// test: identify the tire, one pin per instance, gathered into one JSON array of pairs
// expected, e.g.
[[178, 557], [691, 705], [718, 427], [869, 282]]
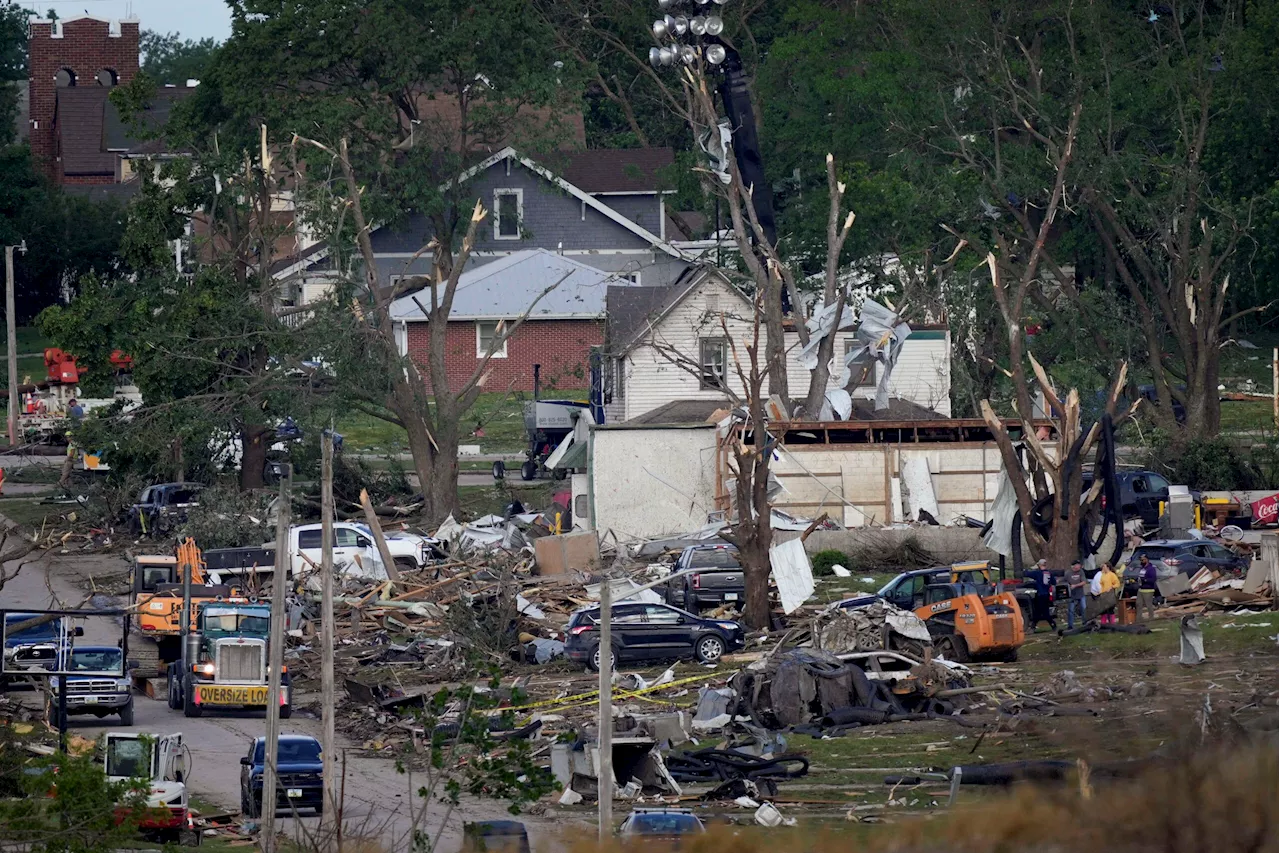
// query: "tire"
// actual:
[[953, 648], [126, 714], [529, 470], [286, 711], [320, 806], [708, 648], [499, 470], [1010, 656], [175, 700], [189, 706], [593, 662]]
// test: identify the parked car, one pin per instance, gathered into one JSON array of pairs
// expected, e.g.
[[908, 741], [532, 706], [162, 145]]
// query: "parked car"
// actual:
[[661, 824], [300, 771], [722, 582], [645, 632], [162, 506], [1188, 556], [38, 647], [495, 836], [105, 689], [1141, 493]]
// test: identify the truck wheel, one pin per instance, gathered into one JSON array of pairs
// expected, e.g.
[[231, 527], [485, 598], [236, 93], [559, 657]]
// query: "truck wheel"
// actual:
[[529, 470], [189, 706], [499, 470], [175, 701], [126, 714], [286, 711]]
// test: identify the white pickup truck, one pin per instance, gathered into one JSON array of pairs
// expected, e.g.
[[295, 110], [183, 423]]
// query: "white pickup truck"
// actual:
[[354, 553]]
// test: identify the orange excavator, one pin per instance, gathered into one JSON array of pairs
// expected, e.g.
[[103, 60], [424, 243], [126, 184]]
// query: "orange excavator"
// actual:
[[158, 607]]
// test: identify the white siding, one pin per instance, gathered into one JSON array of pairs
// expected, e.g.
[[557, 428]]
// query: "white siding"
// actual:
[[921, 376]]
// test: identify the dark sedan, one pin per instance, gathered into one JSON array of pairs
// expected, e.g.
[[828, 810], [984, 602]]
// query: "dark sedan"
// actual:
[[647, 632]]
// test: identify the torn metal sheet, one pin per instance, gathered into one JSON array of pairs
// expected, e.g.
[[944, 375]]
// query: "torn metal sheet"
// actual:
[[882, 334], [821, 325], [792, 573], [917, 482], [841, 403], [1000, 537]]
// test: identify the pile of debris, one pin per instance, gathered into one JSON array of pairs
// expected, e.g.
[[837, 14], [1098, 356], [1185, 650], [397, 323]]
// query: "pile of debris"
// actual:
[[1209, 589]]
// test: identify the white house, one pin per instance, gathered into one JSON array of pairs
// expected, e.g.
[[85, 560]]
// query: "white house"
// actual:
[[669, 350]]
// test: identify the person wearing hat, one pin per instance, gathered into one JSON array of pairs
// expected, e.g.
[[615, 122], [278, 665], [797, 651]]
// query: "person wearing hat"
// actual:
[[1147, 577], [1042, 606], [1076, 585]]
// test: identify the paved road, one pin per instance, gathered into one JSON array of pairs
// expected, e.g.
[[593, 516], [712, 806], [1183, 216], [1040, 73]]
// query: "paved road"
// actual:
[[378, 800]]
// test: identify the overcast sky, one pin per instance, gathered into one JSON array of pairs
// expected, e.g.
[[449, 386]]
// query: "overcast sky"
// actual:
[[192, 19]]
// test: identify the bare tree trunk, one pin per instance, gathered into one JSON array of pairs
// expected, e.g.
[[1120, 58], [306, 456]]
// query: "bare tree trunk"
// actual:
[[253, 456]]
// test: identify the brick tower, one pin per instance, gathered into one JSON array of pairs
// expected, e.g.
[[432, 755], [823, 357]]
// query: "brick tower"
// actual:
[[81, 51]]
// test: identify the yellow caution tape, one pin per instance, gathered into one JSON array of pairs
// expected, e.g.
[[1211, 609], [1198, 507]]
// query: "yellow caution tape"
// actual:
[[593, 695]]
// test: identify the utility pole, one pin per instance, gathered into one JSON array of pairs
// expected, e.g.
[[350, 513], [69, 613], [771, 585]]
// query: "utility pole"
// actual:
[[328, 697], [604, 740], [11, 322], [270, 779]]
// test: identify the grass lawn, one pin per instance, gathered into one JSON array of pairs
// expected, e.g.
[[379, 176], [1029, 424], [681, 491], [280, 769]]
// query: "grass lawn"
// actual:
[[499, 416], [31, 344], [30, 512], [1248, 417]]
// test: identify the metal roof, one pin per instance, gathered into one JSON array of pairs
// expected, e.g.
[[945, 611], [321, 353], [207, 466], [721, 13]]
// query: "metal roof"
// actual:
[[558, 288]]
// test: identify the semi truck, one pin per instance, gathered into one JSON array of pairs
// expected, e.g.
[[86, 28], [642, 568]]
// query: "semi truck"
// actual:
[[224, 662]]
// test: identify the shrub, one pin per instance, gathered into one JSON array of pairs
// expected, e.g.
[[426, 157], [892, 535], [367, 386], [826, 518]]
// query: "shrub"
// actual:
[[1217, 464], [824, 560]]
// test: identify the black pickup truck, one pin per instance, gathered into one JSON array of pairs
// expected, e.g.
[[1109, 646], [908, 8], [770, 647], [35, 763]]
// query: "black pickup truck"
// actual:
[[721, 582]]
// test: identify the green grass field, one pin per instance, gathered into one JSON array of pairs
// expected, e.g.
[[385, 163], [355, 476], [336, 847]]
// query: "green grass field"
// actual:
[[31, 344]]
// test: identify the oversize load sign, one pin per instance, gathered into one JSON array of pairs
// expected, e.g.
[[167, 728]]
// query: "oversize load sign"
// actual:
[[231, 694]]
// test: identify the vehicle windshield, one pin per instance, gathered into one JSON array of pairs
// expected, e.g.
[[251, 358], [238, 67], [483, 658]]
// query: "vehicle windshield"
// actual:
[[96, 660], [718, 558], [252, 623], [888, 588], [662, 823], [129, 757], [292, 751], [36, 633]]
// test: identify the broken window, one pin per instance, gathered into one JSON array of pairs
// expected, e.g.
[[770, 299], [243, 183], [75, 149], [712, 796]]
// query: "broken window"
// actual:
[[508, 213], [862, 370], [714, 352], [486, 332]]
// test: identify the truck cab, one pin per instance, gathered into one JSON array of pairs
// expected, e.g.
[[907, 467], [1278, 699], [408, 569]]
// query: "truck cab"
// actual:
[[224, 664], [162, 506], [162, 761], [35, 647]]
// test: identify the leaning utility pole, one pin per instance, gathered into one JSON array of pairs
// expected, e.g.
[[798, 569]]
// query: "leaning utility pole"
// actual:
[[270, 779], [11, 323], [328, 697]]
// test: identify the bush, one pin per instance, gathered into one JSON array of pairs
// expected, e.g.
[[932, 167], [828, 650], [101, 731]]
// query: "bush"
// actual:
[[1217, 464], [824, 560]]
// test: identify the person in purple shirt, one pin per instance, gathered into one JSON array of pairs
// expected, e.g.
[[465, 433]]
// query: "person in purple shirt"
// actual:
[[1146, 588]]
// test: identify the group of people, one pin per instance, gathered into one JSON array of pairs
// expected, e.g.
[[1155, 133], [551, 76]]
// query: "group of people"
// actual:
[[1105, 588]]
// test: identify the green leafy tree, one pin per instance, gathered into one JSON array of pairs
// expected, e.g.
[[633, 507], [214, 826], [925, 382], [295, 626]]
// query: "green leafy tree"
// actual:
[[385, 116], [169, 58]]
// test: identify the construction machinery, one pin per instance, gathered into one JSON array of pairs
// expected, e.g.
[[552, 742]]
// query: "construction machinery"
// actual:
[[966, 625], [158, 593], [224, 661]]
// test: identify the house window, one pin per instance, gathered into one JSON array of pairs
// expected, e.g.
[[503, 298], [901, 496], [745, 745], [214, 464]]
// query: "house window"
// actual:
[[633, 277], [714, 356], [486, 331], [508, 213], [862, 371]]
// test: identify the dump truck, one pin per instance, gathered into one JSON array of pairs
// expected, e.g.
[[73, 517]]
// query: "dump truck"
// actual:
[[224, 662], [966, 625]]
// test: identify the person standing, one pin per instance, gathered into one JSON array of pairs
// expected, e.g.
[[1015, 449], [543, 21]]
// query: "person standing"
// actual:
[[1146, 588], [1110, 588], [1042, 607], [1076, 585]]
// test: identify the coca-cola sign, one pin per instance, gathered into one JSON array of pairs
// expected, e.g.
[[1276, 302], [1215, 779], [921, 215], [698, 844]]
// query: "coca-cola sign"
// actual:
[[1266, 509]]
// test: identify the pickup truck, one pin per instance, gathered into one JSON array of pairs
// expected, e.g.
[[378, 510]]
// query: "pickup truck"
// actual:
[[161, 507], [722, 582], [301, 775], [104, 689], [354, 553], [37, 647]]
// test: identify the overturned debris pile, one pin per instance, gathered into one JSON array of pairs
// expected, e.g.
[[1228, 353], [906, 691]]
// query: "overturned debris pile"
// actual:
[[879, 625]]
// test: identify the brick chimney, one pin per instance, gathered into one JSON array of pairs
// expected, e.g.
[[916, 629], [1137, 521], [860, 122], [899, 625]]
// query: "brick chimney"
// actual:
[[81, 51]]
